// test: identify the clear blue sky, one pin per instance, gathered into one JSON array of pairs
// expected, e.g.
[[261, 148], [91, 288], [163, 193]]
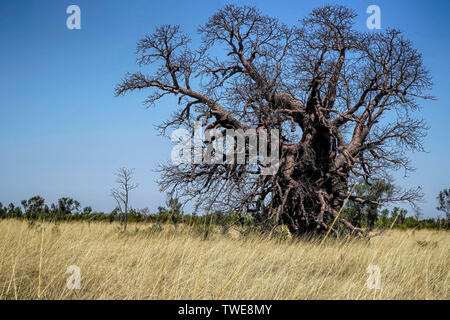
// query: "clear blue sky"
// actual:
[[63, 133]]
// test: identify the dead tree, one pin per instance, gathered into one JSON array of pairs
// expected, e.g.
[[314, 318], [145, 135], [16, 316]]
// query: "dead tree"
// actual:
[[342, 100], [121, 194]]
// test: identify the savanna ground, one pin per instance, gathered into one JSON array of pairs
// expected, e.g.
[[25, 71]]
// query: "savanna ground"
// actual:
[[178, 263]]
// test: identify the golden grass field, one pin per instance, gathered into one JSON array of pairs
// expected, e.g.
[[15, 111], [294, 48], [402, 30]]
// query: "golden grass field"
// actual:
[[179, 264]]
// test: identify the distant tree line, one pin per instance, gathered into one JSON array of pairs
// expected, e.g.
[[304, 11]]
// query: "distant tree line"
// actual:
[[367, 214], [363, 215]]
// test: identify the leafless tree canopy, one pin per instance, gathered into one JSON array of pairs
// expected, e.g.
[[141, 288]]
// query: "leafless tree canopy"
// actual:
[[343, 101]]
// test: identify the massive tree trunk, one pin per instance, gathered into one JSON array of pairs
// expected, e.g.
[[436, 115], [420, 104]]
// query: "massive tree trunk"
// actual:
[[312, 189]]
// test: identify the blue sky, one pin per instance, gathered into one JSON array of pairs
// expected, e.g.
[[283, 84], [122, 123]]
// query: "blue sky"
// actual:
[[63, 133]]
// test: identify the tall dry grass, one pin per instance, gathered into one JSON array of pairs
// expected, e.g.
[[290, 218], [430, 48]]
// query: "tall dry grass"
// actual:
[[178, 264]]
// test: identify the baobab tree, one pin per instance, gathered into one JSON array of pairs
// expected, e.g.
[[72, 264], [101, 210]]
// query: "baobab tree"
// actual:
[[342, 100], [122, 193]]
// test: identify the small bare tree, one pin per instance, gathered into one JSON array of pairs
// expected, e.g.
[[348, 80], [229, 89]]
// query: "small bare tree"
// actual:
[[121, 194]]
